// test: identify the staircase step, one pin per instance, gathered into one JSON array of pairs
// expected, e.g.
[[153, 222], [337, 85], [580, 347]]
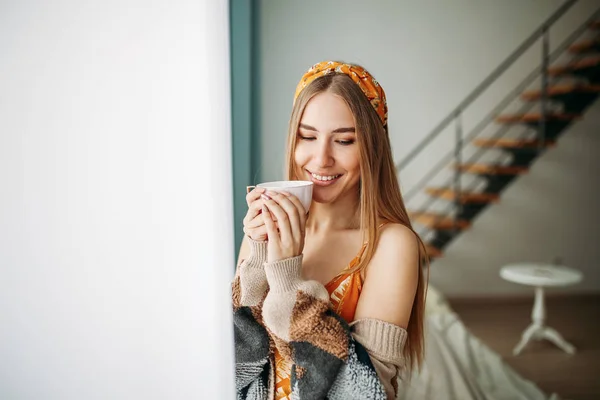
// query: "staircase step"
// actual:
[[516, 118], [561, 90], [491, 169], [583, 46], [574, 66], [438, 221], [511, 143], [432, 251], [465, 197]]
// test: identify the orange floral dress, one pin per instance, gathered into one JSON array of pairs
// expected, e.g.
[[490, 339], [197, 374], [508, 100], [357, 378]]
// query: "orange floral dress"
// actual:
[[344, 291]]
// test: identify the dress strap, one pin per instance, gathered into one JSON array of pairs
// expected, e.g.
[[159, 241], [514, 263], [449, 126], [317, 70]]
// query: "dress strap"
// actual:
[[383, 224], [360, 253], [362, 250], [365, 244]]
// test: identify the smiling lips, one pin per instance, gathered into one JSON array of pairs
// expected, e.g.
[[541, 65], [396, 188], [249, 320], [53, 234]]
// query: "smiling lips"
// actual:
[[324, 180]]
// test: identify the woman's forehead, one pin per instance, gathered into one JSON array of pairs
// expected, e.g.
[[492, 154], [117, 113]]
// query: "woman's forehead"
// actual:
[[327, 112]]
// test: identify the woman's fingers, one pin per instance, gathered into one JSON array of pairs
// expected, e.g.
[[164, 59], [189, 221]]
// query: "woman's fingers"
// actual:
[[259, 233], [283, 221], [299, 207], [297, 217], [252, 221], [259, 228], [269, 225], [254, 210], [258, 221], [287, 217], [253, 195]]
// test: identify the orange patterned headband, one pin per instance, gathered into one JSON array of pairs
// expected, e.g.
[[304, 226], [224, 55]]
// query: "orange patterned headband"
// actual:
[[365, 81]]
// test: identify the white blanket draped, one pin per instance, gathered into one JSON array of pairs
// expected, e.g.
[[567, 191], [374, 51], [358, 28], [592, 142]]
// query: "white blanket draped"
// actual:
[[459, 366]]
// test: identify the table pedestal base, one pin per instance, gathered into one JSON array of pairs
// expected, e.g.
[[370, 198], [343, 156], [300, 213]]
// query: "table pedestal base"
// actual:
[[538, 331]]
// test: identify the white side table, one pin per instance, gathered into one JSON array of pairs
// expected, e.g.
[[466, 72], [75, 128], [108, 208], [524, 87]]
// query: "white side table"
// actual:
[[541, 276]]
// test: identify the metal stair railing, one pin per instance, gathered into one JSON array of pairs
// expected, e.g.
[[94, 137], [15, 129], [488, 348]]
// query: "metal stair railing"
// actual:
[[456, 114]]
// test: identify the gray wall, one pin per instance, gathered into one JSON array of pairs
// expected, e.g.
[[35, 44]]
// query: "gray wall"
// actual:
[[115, 200], [428, 55]]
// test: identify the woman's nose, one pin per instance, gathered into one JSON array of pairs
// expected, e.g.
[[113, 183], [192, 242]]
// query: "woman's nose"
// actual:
[[323, 155]]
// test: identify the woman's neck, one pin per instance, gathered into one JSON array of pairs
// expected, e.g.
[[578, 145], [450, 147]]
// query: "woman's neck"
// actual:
[[340, 215]]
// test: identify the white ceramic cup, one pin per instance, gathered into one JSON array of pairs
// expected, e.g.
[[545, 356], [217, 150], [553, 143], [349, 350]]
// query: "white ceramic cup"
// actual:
[[301, 189]]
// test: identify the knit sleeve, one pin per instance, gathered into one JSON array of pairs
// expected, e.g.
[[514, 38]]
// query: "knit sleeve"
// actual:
[[385, 343], [327, 361], [251, 277], [252, 342]]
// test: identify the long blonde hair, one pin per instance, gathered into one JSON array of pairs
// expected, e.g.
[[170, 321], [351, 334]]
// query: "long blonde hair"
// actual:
[[380, 196]]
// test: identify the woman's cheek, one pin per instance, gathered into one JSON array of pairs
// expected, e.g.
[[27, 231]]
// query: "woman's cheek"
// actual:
[[300, 154]]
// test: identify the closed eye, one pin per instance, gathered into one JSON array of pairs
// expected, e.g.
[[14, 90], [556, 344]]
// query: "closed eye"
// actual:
[[342, 142]]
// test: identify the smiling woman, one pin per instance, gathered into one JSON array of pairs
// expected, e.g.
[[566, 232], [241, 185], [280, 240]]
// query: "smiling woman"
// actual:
[[331, 304]]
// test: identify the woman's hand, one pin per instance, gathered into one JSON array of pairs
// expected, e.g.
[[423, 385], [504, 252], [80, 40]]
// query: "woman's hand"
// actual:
[[290, 215], [254, 225]]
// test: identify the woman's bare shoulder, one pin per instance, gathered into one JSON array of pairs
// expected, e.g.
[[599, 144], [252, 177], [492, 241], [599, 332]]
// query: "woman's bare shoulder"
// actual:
[[391, 277], [396, 234]]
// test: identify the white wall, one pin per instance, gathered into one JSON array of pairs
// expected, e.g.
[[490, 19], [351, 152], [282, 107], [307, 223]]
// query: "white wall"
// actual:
[[428, 55], [115, 200]]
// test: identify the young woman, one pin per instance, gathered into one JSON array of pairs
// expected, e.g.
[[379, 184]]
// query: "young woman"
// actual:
[[329, 303]]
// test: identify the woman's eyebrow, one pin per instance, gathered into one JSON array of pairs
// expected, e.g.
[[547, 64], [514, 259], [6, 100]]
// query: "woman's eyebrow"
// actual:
[[338, 130]]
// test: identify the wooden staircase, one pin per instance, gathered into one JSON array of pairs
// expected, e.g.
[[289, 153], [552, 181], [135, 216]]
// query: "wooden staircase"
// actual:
[[573, 99]]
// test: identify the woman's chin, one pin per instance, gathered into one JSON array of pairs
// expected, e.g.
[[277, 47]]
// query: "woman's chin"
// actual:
[[323, 198], [328, 195], [325, 195], [320, 200]]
